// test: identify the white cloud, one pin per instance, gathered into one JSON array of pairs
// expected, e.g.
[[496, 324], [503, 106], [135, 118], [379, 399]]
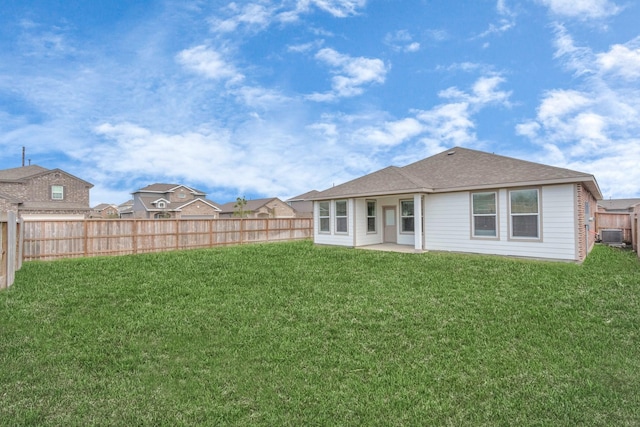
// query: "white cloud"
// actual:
[[582, 9], [392, 133], [337, 8], [451, 124], [483, 91], [402, 41], [253, 16], [352, 73], [621, 60], [210, 63], [594, 129]]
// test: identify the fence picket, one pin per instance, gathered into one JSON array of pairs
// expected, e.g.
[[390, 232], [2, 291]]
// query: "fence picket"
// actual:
[[46, 240]]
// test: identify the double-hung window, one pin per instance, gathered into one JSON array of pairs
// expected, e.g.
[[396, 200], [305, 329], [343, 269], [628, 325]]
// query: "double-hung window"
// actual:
[[342, 218], [525, 213], [406, 216], [371, 216], [57, 192], [325, 217], [485, 213]]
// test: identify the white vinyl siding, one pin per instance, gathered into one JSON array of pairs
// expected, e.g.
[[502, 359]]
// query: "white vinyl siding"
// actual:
[[448, 226], [333, 237]]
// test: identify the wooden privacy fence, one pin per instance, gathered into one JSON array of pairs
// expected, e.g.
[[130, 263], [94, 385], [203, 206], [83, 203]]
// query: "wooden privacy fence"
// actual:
[[46, 240], [11, 257], [615, 221]]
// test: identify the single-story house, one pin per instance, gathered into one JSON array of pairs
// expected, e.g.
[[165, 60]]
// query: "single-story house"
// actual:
[[464, 200]]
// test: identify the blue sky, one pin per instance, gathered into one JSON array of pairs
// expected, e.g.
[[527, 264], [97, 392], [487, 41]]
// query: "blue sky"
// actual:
[[275, 98]]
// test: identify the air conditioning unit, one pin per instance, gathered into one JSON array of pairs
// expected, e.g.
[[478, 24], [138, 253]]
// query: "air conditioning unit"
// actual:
[[611, 236]]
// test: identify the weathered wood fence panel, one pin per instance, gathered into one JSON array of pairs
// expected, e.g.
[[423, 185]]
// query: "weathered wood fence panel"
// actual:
[[46, 240], [619, 221], [10, 251]]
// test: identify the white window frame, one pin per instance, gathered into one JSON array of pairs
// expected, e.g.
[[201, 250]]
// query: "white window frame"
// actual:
[[324, 219], [372, 218], [514, 215], [474, 232], [403, 216], [57, 192], [342, 221]]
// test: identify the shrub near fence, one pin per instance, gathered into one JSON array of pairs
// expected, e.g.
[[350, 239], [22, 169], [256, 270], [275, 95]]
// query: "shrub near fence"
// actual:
[[46, 240]]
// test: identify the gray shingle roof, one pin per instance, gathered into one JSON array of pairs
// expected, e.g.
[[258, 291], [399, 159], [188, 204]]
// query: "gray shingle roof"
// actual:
[[16, 174], [304, 196], [457, 169], [619, 204], [166, 188], [147, 201]]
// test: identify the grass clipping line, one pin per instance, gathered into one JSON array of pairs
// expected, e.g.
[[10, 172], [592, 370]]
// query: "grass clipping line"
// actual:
[[296, 334]]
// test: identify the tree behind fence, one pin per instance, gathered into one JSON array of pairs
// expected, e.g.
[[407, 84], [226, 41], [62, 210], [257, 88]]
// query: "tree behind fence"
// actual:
[[46, 240]]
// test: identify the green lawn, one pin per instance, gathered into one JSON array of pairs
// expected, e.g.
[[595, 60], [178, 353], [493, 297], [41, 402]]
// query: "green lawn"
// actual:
[[292, 334]]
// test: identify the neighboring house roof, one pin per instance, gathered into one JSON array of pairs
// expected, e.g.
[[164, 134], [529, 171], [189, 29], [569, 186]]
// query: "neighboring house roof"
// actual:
[[303, 197], [458, 169], [103, 206], [619, 204], [150, 203], [251, 206], [22, 173], [168, 188]]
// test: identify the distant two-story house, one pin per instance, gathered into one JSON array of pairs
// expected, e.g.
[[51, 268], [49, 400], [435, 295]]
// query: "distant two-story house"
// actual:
[[171, 201], [259, 208], [34, 192]]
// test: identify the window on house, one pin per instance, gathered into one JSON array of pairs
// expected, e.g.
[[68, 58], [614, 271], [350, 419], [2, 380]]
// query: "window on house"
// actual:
[[324, 215], [371, 216], [162, 205], [525, 214], [484, 209], [341, 216], [406, 216], [57, 192]]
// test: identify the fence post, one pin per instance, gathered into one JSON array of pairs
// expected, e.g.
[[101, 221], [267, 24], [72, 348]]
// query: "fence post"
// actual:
[[9, 249], [85, 230], [134, 235], [4, 259]]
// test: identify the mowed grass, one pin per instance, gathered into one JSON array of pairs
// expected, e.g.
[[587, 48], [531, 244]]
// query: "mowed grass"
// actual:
[[293, 334]]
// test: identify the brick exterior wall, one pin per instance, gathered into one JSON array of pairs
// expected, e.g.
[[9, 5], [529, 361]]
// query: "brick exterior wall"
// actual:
[[197, 209], [35, 194], [586, 227]]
